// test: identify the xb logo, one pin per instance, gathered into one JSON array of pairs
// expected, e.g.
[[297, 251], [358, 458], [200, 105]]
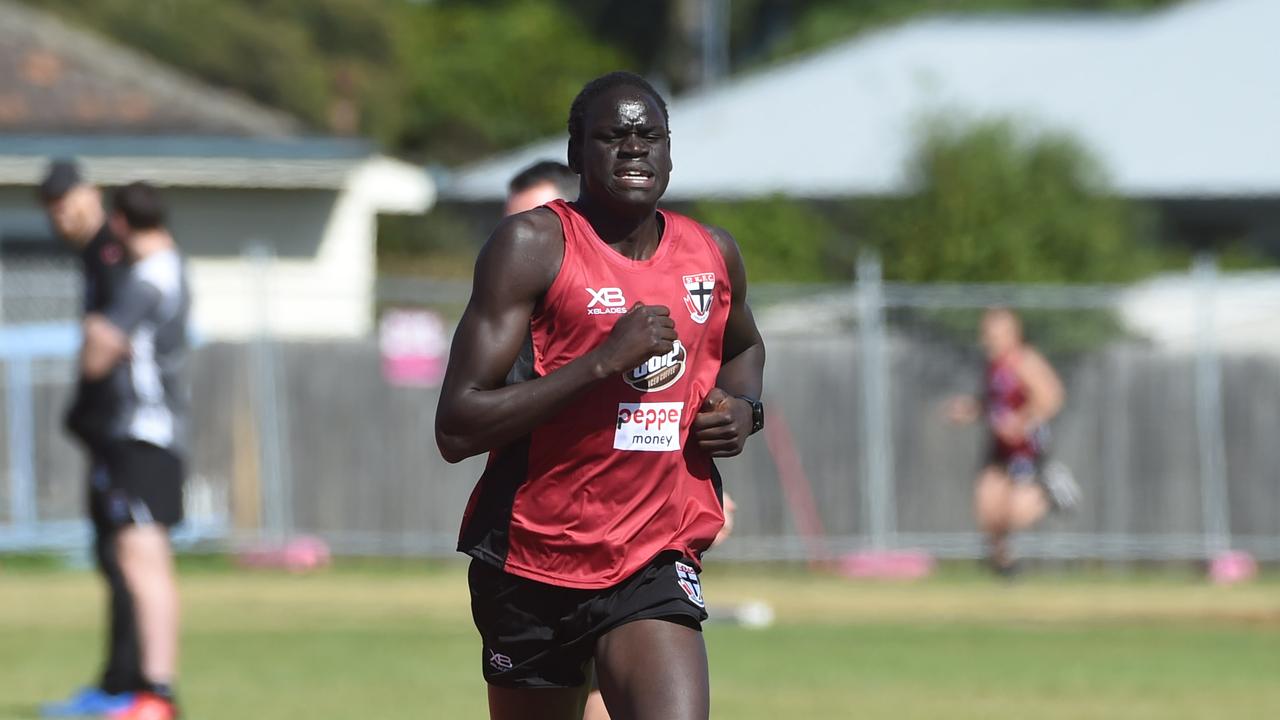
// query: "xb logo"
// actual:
[[609, 299], [499, 661]]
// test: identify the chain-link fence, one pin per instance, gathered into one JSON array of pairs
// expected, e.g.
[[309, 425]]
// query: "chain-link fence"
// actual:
[[1173, 442]]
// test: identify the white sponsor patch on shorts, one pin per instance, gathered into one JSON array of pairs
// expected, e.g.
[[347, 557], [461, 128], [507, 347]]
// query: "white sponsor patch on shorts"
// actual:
[[650, 427]]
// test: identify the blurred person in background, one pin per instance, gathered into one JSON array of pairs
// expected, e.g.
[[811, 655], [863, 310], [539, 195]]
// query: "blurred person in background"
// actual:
[[600, 495], [75, 212], [137, 344], [1017, 485], [539, 184]]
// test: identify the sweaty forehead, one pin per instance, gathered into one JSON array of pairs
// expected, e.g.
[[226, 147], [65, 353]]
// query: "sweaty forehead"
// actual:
[[625, 106]]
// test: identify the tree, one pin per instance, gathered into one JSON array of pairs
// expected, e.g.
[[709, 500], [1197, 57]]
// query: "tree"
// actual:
[[992, 203], [782, 239], [481, 77]]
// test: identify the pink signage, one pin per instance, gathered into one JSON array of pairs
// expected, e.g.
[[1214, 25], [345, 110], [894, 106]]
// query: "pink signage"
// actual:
[[414, 347]]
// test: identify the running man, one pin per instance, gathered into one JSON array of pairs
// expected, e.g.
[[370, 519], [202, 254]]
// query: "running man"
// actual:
[[606, 356], [1016, 487], [541, 183], [74, 208], [138, 345]]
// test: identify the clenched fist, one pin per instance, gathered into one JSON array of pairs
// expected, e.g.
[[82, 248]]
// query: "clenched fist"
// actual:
[[645, 331], [722, 424]]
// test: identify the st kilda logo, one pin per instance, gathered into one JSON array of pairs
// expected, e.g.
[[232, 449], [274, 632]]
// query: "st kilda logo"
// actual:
[[660, 371], [698, 291]]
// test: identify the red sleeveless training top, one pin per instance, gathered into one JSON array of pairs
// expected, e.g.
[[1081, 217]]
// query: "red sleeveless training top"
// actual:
[[1006, 395], [593, 494]]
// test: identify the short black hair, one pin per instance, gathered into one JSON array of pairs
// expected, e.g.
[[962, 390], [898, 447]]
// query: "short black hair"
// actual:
[[141, 205], [62, 175], [545, 171], [598, 87]]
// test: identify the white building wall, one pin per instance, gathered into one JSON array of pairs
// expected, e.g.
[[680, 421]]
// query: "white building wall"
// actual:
[[329, 294]]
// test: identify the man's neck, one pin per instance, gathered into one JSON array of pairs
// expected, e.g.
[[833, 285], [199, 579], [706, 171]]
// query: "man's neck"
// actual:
[[633, 235]]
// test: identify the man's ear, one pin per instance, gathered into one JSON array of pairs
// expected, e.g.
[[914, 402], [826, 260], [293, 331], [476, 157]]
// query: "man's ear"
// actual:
[[575, 158], [671, 164]]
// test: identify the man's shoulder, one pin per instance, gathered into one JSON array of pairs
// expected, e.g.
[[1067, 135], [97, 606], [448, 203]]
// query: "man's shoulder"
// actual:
[[522, 256], [537, 226], [163, 271], [724, 241], [722, 237], [534, 236]]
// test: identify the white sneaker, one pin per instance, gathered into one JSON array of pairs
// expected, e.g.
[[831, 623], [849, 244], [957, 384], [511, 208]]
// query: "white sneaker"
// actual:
[[1061, 486]]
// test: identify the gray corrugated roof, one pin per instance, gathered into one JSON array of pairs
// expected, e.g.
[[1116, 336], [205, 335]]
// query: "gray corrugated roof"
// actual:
[[1182, 102]]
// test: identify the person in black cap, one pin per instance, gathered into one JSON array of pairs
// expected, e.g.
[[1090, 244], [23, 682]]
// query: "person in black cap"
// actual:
[[76, 214]]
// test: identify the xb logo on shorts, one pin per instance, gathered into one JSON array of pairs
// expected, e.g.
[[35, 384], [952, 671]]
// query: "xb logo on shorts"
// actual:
[[687, 579], [606, 301], [658, 372], [499, 662], [698, 291]]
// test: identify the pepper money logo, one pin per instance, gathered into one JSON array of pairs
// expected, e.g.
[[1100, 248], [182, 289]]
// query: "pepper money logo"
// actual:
[[660, 371], [649, 427]]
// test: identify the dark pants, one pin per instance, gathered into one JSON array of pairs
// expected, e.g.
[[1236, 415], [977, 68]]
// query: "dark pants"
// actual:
[[123, 671]]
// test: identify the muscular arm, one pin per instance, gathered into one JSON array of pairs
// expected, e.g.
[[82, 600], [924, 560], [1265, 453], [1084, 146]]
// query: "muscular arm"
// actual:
[[1044, 389], [742, 369], [724, 422], [478, 412]]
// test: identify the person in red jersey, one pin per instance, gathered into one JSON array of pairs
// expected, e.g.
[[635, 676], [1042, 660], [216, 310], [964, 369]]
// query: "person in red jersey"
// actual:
[[606, 356], [1022, 393]]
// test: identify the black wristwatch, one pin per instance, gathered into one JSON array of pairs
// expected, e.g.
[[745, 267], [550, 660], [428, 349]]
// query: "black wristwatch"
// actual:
[[757, 413]]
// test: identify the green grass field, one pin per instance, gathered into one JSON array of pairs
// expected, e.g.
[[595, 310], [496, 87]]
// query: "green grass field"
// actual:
[[377, 640]]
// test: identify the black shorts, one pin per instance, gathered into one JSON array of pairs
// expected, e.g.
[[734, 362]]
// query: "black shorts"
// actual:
[[1024, 466], [135, 483], [1020, 467], [543, 636]]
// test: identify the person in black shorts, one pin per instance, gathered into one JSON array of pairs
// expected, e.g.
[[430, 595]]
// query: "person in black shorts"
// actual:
[[1021, 394], [606, 357], [137, 345], [536, 185], [75, 212]]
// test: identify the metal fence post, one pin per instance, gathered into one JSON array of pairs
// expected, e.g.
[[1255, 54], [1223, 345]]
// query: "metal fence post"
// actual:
[[269, 406], [876, 417], [1116, 489], [19, 406], [1209, 412]]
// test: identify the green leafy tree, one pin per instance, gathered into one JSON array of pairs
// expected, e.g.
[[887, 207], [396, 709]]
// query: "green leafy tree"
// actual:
[[990, 203], [265, 55], [782, 239], [446, 81], [818, 23], [480, 77]]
